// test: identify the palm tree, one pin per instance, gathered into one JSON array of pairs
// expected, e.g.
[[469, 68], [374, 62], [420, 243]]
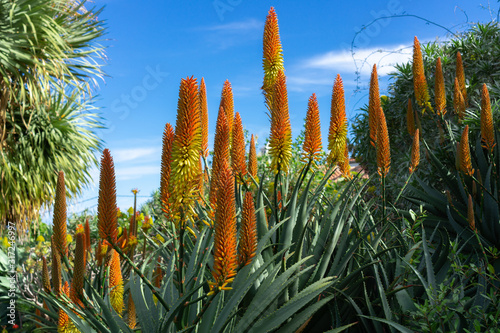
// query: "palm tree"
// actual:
[[49, 63]]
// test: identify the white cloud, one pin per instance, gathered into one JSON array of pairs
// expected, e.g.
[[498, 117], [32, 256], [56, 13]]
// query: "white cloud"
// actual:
[[250, 24], [136, 172], [130, 154], [362, 60]]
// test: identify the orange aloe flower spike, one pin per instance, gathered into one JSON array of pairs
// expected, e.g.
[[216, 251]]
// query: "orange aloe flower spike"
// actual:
[[458, 101], [204, 118], [227, 103], [459, 73], [59, 221], [166, 157], [280, 140], [470, 214], [225, 257], [439, 89], [487, 131], [76, 292], [464, 153], [415, 152], [337, 134], [106, 206], [312, 140], [64, 323], [383, 148], [373, 105], [221, 154], [272, 61], [45, 275], [56, 269], [238, 159], [419, 81], [248, 231], [115, 282], [252, 158], [410, 118], [185, 165], [131, 313], [87, 236]]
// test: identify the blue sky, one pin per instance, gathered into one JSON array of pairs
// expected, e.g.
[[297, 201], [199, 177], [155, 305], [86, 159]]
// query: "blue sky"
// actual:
[[151, 45]]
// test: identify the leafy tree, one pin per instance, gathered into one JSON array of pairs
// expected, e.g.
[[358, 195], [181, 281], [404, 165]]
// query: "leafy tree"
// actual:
[[49, 61]]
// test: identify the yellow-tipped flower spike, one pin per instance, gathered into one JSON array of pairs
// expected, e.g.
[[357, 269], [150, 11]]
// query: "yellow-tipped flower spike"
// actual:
[[248, 232], [312, 140], [238, 159], [166, 157], [383, 148], [439, 89], [131, 313], [59, 221], [64, 323], [225, 257], [115, 282], [345, 167], [252, 158], [106, 206], [227, 103], [464, 153], [221, 154], [337, 134], [272, 61], [185, 165], [415, 152], [373, 105], [419, 81], [487, 131], [458, 101], [280, 140], [410, 118], [76, 292], [56, 269], [204, 118], [459, 73]]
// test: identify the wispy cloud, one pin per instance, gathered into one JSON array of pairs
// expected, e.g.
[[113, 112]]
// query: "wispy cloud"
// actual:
[[362, 59], [131, 154], [136, 172], [249, 24]]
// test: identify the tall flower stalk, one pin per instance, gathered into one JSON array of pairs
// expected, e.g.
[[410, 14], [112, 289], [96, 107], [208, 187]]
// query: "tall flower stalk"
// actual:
[[106, 206], [460, 75], [337, 134], [238, 159], [76, 291], [272, 61], [59, 221], [225, 257], [185, 166], [204, 119], [487, 131], [419, 81], [312, 146], [227, 104], [373, 105], [410, 118], [115, 282], [458, 101], [439, 90], [166, 158], [252, 158], [465, 163], [221, 154]]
